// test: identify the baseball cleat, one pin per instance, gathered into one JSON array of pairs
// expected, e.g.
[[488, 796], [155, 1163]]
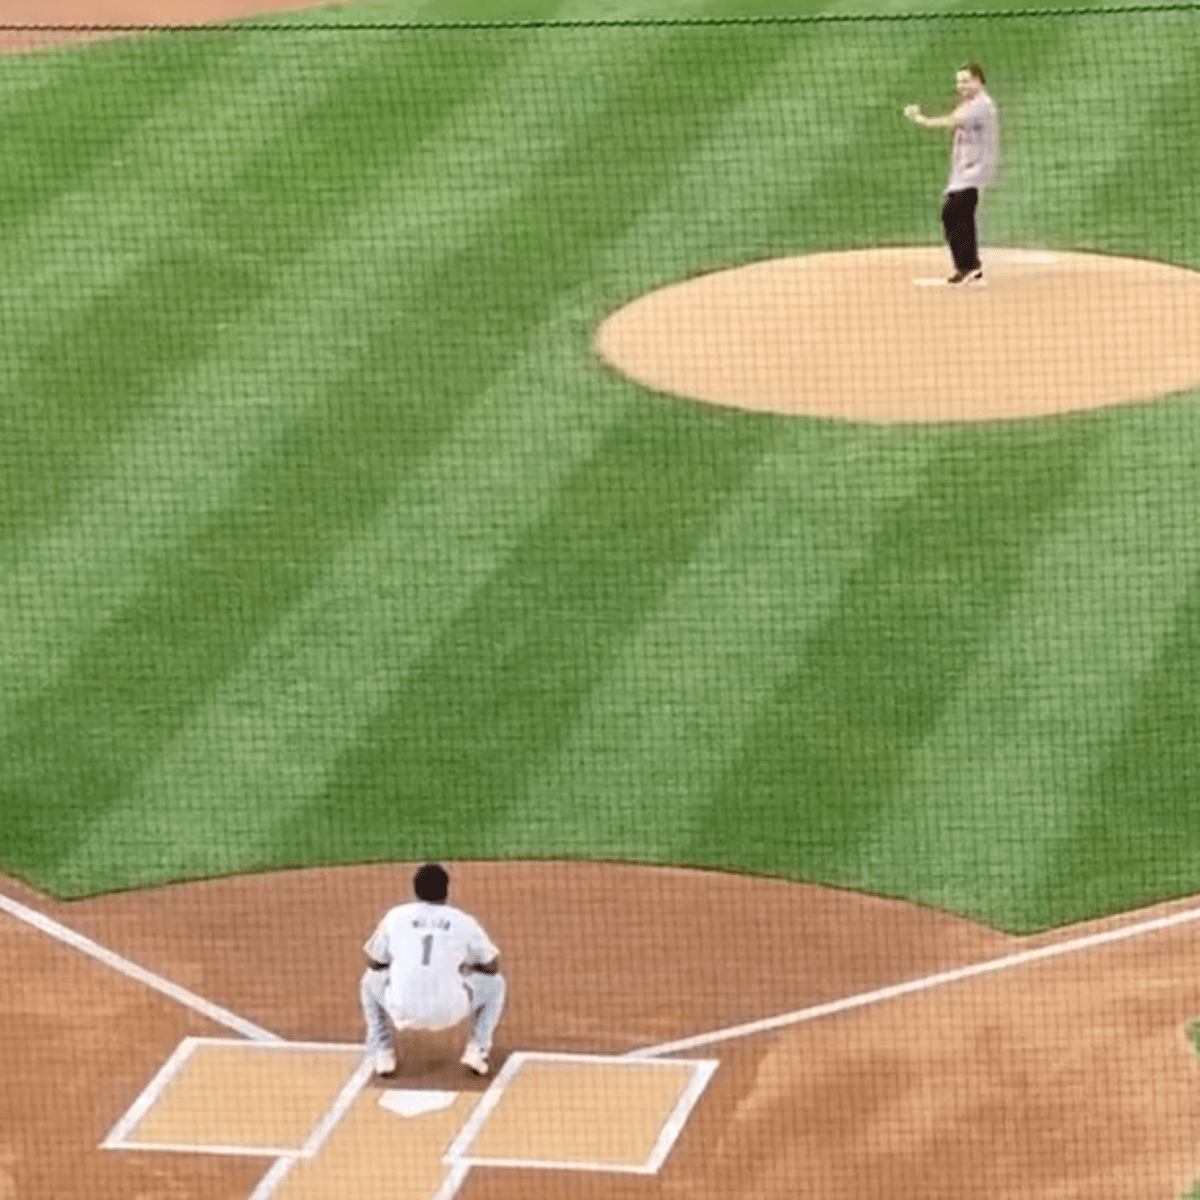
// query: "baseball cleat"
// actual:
[[385, 1063], [975, 275], [475, 1060]]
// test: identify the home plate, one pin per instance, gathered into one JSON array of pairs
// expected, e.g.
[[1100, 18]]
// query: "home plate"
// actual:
[[416, 1104]]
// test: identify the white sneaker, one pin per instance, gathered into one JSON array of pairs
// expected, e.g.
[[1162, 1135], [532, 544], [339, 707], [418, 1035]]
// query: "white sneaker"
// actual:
[[475, 1060], [385, 1062]]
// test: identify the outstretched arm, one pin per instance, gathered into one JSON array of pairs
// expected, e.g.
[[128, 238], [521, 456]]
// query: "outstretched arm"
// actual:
[[914, 114]]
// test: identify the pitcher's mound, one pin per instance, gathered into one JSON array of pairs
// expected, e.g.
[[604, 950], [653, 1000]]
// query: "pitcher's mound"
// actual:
[[860, 335]]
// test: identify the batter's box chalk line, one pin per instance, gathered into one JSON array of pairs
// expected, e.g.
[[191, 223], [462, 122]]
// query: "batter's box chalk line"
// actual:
[[1141, 925], [120, 1137], [700, 1071], [460, 1158]]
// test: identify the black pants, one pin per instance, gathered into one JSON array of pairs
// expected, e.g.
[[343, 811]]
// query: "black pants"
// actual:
[[958, 220]]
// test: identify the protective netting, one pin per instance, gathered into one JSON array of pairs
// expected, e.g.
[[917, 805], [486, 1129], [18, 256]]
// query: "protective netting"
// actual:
[[580, 453]]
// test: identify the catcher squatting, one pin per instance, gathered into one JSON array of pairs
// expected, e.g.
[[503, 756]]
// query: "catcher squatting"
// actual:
[[429, 967]]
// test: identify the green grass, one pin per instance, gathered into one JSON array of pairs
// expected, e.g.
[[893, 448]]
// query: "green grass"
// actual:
[[410, 11], [327, 539]]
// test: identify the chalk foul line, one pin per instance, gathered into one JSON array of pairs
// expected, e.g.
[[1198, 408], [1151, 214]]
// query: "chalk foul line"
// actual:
[[926, 983], [132, 970], [256, 1033]]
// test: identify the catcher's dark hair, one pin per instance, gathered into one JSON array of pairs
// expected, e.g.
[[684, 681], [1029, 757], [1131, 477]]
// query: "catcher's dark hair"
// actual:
[[431, 884], [975, 69]]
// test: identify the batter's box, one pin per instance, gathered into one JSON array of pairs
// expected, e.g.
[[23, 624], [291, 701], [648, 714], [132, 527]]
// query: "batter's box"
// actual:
[[582, 1113], [226, 1096]]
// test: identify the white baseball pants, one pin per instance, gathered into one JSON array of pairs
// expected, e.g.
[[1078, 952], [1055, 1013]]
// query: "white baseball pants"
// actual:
[[487, 994]]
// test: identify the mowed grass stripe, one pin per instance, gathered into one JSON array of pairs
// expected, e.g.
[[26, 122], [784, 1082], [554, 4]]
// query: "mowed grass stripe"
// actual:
[[184, 461], [1147, 772], [645, 259], [1088, 151], [771, 179], [172, 168], [303, 719], [445, 766], [997, 791], [659, 725], [485, 230], [165, 636], [658, 732], [1163, 99], [874, 680], [154, 265], [97, 319], [240, 179], [67, 117], [263, 745], [186, 592]]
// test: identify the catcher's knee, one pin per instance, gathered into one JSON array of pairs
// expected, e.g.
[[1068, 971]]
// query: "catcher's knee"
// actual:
[[371, 985], [487, 990]]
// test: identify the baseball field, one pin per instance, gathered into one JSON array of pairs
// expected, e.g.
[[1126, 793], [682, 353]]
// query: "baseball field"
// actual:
[[334, 541]]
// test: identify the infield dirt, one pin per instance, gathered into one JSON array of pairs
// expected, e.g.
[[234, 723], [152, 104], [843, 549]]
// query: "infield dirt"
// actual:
[[1072, 1077], [64, 13]]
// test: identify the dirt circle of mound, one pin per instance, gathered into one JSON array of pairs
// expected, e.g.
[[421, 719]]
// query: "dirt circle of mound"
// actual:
[[877, 336]]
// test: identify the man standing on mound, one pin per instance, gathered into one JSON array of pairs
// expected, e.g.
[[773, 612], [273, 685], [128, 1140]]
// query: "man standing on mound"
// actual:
[[972, 166], [430, 966]]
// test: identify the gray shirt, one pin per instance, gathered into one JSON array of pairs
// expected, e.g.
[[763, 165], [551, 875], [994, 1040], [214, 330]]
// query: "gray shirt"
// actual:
[[976, 144]]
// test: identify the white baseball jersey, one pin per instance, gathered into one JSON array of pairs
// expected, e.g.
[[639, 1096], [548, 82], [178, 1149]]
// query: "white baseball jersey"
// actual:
[[976, 147], [425, 947]]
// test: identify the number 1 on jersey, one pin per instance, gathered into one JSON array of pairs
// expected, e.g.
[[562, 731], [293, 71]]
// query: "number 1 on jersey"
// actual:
[[427, 952]]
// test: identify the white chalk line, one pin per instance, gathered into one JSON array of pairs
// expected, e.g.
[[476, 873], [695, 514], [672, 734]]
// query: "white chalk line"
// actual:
[[214, 1012], [270, 1182], [456, 1153], [132, 970], [214, 1148], [453, 1182], [341, 1106], [118, 1136], [926, 983], [460, 1161], [285, 1156], [702, 1073], [459, 1170]]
